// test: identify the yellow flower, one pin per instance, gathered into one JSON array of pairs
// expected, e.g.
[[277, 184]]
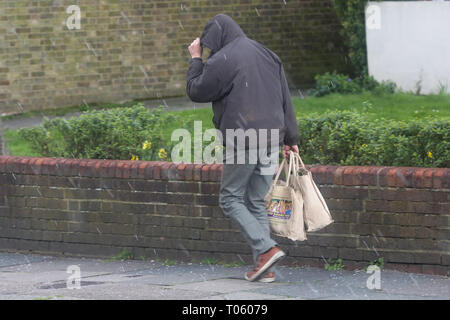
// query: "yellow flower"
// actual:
[[146, 145], [430, 154], [162, 153], [134, 158], [364, 145]]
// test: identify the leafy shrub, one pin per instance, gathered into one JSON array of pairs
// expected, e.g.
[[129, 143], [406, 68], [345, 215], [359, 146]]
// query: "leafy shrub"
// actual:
[[117, 133], [352, 17], [348, 138], [333, 138], [328, 83]]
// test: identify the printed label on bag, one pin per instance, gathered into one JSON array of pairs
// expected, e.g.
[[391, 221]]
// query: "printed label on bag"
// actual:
[[280, 209]]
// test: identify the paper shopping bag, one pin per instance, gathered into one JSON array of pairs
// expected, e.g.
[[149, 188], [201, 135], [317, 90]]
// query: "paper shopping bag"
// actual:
[[315, 210], [285, 206]]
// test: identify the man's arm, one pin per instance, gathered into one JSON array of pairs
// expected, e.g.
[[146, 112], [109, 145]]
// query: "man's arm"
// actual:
[[204, 80], [291, 136]]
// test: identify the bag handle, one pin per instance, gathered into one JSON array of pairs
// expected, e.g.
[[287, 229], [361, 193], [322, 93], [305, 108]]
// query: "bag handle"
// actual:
[[299, 161], [280, 168], [283, 165], [291, 167]]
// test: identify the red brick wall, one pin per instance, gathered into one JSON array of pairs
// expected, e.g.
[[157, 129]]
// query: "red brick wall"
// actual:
[[100, 207]]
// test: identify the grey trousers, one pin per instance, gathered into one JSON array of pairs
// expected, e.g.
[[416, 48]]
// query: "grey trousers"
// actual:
[[242, 191]]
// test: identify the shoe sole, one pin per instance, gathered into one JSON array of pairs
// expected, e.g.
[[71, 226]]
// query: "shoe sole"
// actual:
[[275, 258], [266, 280]]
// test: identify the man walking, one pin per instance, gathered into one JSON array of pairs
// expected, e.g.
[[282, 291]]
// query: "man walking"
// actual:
[[248, 89]]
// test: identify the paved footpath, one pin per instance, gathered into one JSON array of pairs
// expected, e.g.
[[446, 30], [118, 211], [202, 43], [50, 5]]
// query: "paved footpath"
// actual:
[[37, 277]]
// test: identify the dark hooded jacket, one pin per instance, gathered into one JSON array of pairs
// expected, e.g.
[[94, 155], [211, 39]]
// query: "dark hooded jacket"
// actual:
[[244, 81]]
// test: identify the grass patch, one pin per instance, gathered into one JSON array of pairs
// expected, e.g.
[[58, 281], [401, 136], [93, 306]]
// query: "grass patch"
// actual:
[[377, 262], [398, 106], [334, 265], [123, 255], [18, 145]]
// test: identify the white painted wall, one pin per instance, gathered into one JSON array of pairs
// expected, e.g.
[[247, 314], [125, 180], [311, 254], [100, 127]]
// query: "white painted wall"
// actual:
[[408, 42]]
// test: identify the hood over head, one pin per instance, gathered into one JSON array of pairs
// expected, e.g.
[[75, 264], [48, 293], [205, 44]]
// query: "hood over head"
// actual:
[[219, 31]]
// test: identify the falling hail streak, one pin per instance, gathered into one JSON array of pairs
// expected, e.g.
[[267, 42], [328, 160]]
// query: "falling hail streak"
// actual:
[[125, 17], [375, 250], [348, 287], [375, 237], [143, 71], [90, 48], [311, 287], [20, 106], [365, 244], [257, 12], [381, 235], [110, 193], [414, 280], [242, 120]]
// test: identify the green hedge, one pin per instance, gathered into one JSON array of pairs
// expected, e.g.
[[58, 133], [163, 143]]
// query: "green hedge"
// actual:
[[333, 138], [348, 138], [328, 83], [118, 133]]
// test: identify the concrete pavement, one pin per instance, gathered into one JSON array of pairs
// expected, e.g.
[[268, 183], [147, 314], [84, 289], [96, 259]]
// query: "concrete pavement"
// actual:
[[38, 277]]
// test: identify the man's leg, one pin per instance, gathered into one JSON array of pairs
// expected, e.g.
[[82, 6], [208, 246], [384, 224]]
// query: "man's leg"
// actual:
[[257, 189], [234, 183]]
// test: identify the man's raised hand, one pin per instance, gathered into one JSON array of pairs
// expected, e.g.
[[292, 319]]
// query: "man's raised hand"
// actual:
[[195, 49]]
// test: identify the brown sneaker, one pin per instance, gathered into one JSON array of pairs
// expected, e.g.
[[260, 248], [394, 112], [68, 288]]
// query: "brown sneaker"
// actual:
[[268, 277], [265, 261]]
